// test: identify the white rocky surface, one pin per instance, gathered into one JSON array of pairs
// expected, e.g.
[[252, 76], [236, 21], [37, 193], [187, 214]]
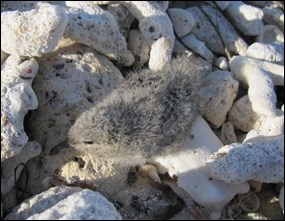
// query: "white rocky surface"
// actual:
[[274, 16], [219, 89], [190, 169], [241, 114], [263, 98], [270, 126], [223, 4], [122, 16], [273, 52], [87, 24], [246, 18], [17, 98], [160, 54], [76, 77], [162, 4], [206, 32], [274, 71], [244, 118], [258, 159], [222, 63], [183, 21], [138, 45], [270, 33], [34, 32], [157, 28], [70, 80], [228, 135], [194, 45], [69, 203]]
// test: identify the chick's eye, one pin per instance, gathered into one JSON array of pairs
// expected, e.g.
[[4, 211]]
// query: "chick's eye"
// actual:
[[88, 142]]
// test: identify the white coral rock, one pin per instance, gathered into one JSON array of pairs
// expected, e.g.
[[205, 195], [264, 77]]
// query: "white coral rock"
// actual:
[[260, 159], [96, 28], [160, 54], [122, 16], [270, 33], [241, 114], [195, 45], [274, 16], [247, 19], [69, 203], [162, 4], [190, 169], [157, 28], [244, 118], [139, 47], [261, 91], [219, 90], [228, 135], [222, 63], [273, 52], [183, 21], [34, 32], [223, 4], [17, 97], [206, 32]]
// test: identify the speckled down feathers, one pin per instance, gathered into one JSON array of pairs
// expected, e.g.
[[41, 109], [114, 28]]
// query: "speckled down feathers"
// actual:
[[140, 119]]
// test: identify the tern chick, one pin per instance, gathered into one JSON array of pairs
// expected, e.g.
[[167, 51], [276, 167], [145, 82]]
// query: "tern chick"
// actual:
[[140, 119]]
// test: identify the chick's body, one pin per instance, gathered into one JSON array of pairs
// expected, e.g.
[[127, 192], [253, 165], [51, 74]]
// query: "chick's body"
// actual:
[[141, 118]]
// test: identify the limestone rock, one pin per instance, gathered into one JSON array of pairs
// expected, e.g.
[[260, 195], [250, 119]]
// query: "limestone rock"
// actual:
[[96, 28], [71, 80], [139, 47], [205, 31], [190, 169], [34, 32], [260, 92], [183, 21], [63, 202], [258, 159], [195, 45], [17, 98], [157, 29], [247, 18], [122, 16], [241, 114], [273, 52], [270, 33], [219, 90], [228, 135]]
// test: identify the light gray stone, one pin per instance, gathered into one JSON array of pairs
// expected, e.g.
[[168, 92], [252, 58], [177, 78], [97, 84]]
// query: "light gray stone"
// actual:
[[17, 98], [34, 32], [157, 29], [261, 160], [273, 52], [139, 47], [246, 18], [270, 33], [96, 28], [206, 32], [183, 21], [219, 90], [122, 16], [63, 202]]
